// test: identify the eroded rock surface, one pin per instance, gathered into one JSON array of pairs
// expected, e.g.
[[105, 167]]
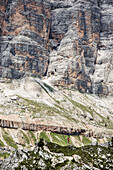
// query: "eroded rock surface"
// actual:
[[70, 42], [25, 27]]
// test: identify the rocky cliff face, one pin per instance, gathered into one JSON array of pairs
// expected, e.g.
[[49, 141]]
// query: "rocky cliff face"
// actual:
[[25, 27], [69, 42]]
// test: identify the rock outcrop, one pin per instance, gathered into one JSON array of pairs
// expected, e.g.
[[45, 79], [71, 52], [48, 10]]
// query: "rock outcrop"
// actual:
[[53, 156], [40, 127], [69, 42]]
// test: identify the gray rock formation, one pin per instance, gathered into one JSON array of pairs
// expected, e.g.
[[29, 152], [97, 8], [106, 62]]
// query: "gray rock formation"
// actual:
[[83, 58], [69, 42], [24, 41], [60, 157]]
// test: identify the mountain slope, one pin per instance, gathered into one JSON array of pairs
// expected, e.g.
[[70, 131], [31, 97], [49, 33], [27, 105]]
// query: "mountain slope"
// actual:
[[32, 100]]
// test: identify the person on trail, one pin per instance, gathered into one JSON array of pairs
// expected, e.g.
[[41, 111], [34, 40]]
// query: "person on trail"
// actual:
[[68, 140]]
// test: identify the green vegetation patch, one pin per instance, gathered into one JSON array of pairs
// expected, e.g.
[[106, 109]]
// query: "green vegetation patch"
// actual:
[[44, 136], [82, 139], [86, 140], [78, 137], [49, 87], [8, 139], [86, 108], [1, 143], [59, 165], [82, 107], [66, 150], [99, 156], [25, 137], [106, 123], [40, 108], [60, 139], [32, 137], [4, 155]]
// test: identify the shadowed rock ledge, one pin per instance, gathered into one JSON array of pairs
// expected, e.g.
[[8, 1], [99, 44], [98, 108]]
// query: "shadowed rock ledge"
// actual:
[[40, 127]]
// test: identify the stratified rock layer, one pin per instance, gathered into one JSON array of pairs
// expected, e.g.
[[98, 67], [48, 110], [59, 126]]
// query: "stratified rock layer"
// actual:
[[69, 41]]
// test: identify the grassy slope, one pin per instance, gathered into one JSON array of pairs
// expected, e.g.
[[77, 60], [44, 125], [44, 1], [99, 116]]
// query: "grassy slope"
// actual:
[[26, 139], [9, 140]]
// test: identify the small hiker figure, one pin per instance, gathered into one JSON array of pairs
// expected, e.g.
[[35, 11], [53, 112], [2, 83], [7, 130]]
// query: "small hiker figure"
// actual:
[[68, 140]]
